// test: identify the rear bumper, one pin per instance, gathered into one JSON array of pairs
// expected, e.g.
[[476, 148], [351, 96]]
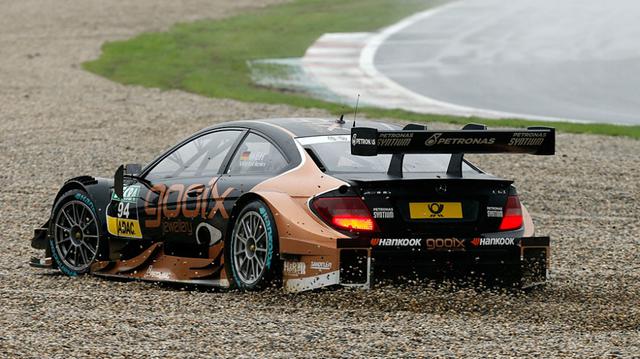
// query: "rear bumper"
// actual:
[[516, 258], [363, 262]]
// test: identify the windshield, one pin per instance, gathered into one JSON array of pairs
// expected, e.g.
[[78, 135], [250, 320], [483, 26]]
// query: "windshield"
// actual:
[[335, 154]]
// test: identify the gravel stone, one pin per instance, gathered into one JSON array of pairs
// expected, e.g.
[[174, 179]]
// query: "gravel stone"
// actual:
[[58, 121]]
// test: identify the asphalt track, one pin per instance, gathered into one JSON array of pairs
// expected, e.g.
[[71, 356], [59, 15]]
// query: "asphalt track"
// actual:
[[570, 59]]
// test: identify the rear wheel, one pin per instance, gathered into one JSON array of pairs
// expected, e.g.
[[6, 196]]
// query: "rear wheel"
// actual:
[[74, 233], [252, 248]]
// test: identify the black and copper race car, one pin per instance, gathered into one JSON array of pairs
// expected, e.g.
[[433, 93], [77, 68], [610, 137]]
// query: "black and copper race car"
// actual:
[[307, 203]]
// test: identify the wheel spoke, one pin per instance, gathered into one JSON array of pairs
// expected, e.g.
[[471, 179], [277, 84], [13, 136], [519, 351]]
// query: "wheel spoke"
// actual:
[[260, 262], [63, 227], [76, 256], [252, 267], [76, 218], [263, 250], [69, 254], [66, 215], [80, 216], [256, 226], [87, 224], [83, 256], [242, 239], [91, 250], [245, 261], [247, 231]]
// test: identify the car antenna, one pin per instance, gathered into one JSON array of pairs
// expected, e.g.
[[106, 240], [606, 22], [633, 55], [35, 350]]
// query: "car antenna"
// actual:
[[340, 121], [356, 112]]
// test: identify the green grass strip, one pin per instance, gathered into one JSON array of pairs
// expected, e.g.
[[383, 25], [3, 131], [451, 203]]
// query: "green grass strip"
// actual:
[[209, 57]]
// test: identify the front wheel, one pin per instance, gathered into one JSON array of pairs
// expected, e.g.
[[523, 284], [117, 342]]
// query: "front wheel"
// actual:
[[252, 248], [74, 233]]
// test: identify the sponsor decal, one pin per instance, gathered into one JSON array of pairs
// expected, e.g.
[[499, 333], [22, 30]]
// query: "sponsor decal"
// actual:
[[527, 139], [321, 265], [429, 243], [396, 242], [494, 212], [435, 210], [444, 243], [295, 268], [268, 226], [383, 213], [156, 274], [438, 139], [395, 139], [500, 241], [130, 194], [122, 214], [86, 200], [253, 159], [362, 141], [433, 139], [122, 227], [177, 227], [170, 202]]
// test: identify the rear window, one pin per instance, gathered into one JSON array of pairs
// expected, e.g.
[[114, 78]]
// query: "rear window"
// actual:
[[335, 154]]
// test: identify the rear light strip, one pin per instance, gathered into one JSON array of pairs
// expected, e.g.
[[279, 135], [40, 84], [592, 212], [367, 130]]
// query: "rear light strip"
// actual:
[[512, 215], [345, 213]]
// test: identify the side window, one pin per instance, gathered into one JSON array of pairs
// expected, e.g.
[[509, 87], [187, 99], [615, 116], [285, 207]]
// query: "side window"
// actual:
[[256, 155], [201, 157]]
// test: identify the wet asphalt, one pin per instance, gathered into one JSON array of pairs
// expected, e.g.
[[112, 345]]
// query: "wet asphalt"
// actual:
[[570, 59]]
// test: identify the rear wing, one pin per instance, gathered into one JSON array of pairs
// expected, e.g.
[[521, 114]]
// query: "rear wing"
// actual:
[[473, 138]]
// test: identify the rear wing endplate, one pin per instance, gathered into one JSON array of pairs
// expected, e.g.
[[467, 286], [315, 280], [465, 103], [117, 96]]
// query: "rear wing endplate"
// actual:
[[473, 138]]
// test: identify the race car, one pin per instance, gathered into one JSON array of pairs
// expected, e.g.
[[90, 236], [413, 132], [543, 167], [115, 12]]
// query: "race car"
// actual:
[[304, 203]]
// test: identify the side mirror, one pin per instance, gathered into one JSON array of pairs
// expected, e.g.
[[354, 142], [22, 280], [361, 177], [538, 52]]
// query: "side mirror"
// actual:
[[118, 177], [132, 169], [118, 182]]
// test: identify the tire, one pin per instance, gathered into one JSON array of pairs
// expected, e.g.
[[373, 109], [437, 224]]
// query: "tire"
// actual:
[[252, 248], [75, 239]]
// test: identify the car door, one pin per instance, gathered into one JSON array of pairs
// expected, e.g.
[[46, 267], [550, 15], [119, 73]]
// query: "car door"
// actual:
[[178, 188]]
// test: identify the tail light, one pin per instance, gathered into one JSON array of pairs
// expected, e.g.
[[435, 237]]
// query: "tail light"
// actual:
[[345, 213], [512, 215]]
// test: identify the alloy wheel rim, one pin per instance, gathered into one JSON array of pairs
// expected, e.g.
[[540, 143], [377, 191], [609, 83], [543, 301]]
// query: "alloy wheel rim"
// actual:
[[250, 247], [76, 235]]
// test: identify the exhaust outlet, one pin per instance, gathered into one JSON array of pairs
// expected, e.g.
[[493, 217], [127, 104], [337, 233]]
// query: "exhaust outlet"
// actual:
[[206, 233]]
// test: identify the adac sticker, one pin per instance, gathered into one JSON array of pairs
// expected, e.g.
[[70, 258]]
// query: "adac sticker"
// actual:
[[122, 227]]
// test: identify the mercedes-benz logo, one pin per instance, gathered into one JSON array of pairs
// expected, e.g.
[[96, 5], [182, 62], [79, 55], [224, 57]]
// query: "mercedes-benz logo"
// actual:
[[441, 188]]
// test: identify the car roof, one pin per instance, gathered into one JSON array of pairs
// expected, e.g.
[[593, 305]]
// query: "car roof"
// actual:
[[307, 127]]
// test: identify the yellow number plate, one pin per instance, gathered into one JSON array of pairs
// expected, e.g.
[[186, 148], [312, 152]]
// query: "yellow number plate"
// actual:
[[435, 210]]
